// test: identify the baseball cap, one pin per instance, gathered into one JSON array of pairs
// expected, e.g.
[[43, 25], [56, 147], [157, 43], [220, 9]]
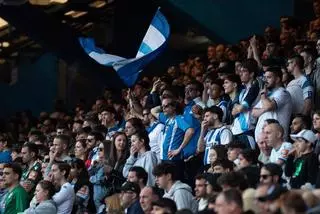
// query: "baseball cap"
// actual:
[[130, 186], [305, 134]]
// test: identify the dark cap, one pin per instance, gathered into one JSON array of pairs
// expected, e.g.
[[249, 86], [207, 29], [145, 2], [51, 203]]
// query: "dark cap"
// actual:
[[130, 186]]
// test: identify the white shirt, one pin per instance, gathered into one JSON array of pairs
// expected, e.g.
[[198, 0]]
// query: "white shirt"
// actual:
[[280, 153], [64, 199], [282, 113], [155, 137], [300, 89]]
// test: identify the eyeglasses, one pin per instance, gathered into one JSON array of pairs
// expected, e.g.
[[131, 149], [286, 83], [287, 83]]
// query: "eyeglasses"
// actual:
[[264, 176]]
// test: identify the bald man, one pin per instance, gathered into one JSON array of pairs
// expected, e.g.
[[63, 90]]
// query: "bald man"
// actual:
[[274, 138], [147, 196]]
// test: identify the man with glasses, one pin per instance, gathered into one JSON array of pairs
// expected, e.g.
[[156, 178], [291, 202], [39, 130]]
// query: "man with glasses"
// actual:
[[177, 133], [93, 141], [271, 173]]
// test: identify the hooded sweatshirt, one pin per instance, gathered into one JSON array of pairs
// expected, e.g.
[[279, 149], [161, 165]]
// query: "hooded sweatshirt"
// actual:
[[181, 193], [147, 160]]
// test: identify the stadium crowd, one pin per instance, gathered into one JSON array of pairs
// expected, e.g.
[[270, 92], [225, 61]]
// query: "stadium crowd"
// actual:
[[236, 131]]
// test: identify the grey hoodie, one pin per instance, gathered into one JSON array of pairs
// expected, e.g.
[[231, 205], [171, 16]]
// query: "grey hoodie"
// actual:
[[181, 193], [146, 160], [45, 207]]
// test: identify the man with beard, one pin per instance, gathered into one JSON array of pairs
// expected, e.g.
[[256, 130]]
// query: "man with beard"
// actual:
[[275, 102], [16, 200], [64, 199]]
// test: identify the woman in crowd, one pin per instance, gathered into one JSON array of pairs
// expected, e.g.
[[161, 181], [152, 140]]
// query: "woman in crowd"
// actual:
[[115, 155], [80, 150], [132, 126], [140, 155], [43, 195], [248, 164], [79, 178]]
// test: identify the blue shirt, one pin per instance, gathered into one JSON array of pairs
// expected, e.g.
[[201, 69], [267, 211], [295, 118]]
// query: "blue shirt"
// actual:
[[5, 157], [173, 131], [191, 147]]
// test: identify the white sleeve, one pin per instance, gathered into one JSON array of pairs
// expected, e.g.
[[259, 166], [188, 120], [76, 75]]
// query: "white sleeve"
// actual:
[[226, 136], [281, 98]]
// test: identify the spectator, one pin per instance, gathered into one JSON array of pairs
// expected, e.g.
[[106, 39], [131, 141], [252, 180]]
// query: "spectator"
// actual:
[[164, 205], [44, 203], [200, 192], [265, 150], [303, 166], [180, 193], [300, 122], [79, 179], [234, 149], [275, 105], [300, 87], [213, 132], [221, 166], [216, 153], [155, 131], [274, 137], [109, 120], [229, 202], [148, 195], [16, 199], [242, 126], [80, 150], [292, 203], [248, 164], [93, 140], [140, 155], [130, 198], [177, 133], [138, 175], [65, 197], [5, 153], [132, 126], [271, 173]]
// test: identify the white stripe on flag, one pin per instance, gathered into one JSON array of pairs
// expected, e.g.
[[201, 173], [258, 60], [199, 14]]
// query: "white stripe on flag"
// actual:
[[105, 59], [153, 38]]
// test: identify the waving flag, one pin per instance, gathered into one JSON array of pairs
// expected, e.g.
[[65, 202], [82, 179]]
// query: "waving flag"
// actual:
[[152, 45]]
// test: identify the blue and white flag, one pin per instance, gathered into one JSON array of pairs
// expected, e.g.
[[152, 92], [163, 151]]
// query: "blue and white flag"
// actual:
[[152, 45]]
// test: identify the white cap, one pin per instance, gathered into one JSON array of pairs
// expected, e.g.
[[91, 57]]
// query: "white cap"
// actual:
[[305, 134]]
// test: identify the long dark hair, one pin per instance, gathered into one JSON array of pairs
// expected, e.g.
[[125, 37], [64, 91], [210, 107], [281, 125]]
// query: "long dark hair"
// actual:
[[110, 151], [143, 135]]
